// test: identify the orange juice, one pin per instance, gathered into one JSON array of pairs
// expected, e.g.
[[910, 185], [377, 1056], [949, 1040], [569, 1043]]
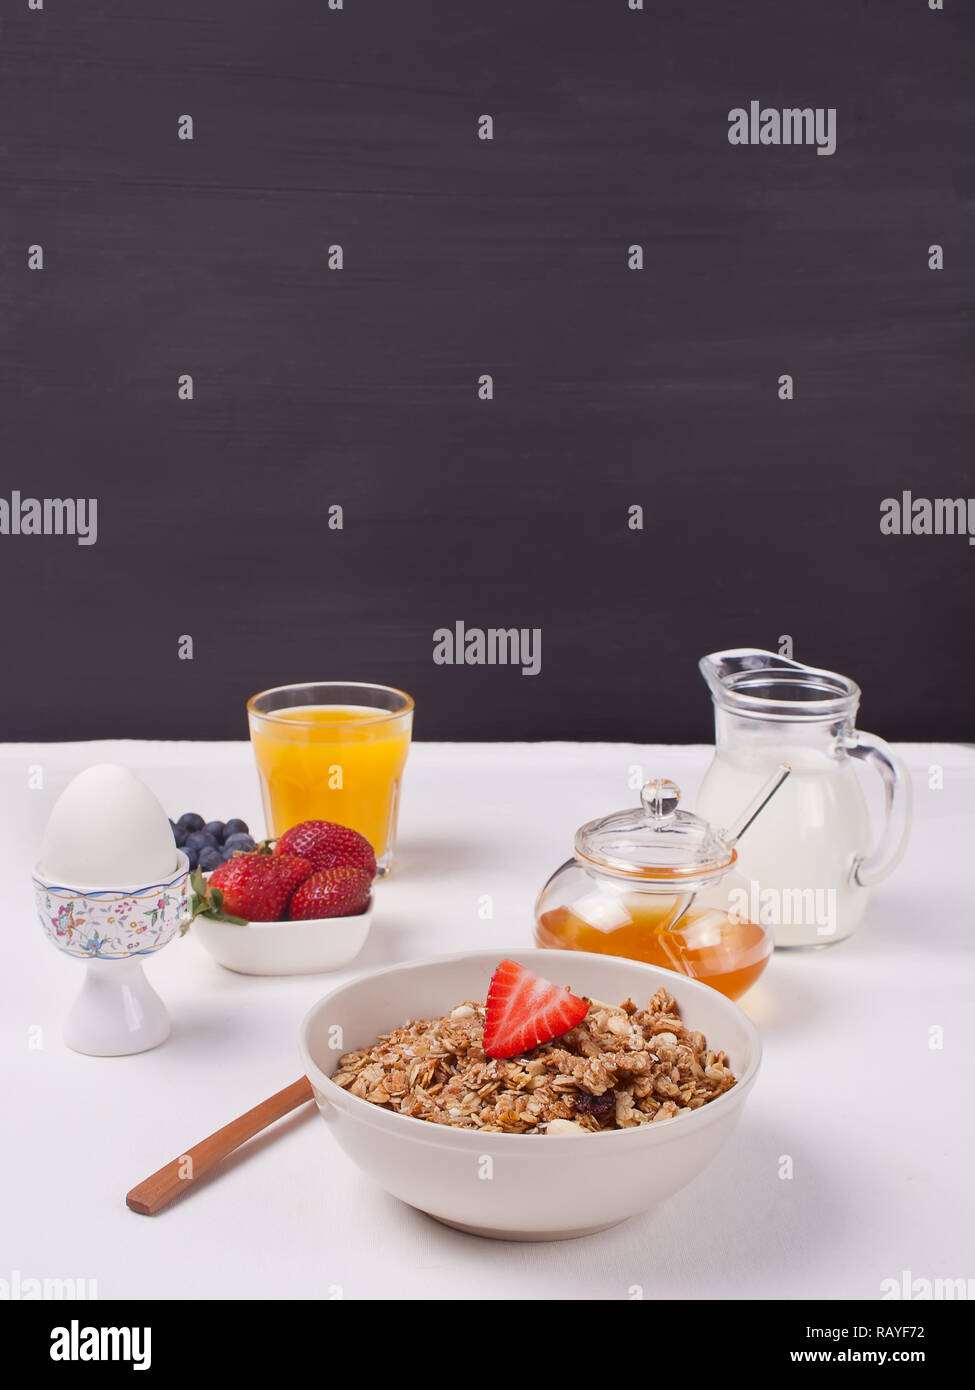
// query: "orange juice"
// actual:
[[340, 763], [707, 944]]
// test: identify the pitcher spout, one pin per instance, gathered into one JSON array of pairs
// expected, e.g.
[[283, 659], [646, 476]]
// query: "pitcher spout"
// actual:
[[722, 669], [765, 685]]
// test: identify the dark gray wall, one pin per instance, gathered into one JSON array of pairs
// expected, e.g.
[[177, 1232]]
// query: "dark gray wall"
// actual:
[[613, 387]]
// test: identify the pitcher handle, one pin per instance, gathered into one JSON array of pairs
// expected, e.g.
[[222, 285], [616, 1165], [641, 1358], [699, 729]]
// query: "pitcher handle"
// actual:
[[869, 869]]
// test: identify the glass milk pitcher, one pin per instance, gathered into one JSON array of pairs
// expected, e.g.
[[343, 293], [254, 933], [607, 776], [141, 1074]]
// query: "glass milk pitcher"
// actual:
[[806, 870]]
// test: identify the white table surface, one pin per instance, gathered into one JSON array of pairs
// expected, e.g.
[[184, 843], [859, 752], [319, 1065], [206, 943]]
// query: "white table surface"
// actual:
[[879, 1125]]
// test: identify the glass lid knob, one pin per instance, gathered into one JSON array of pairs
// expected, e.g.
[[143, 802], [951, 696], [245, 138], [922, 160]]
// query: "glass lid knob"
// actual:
[[660, 799]]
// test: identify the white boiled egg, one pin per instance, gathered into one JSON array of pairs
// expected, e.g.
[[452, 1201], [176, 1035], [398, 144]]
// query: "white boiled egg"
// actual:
[[108, 830]]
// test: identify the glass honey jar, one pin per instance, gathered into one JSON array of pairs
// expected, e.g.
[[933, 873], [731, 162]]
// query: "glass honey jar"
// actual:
[[651, 883]]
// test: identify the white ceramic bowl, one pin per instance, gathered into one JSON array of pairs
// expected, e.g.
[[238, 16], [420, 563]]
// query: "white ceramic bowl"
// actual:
[[285, 948], [541, 1187]]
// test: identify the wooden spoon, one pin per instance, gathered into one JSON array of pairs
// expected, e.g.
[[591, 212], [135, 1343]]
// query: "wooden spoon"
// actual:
[[156, 1192]]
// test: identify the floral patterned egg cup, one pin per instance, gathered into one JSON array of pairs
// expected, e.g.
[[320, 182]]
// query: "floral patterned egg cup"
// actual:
[[117, 1012]]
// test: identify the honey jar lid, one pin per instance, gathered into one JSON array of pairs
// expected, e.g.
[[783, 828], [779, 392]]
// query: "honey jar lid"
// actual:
[[656, 841]]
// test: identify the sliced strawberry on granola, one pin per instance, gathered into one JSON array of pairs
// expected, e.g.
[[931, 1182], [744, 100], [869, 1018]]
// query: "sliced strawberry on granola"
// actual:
[[523, 1010]]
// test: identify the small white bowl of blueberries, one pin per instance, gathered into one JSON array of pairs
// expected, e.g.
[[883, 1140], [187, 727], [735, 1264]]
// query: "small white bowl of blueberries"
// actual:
[[297, 905]]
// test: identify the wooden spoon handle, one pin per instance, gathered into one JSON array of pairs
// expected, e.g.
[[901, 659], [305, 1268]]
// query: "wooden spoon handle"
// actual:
[[153, 1194]]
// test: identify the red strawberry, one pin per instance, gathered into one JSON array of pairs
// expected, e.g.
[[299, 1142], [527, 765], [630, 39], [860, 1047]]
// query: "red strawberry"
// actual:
[[328, 846], [257, 886], [524, 1010], [338, 892]]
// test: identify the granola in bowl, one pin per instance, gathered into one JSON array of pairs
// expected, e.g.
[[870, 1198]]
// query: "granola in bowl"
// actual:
[[485, 1053], [618, 1067]]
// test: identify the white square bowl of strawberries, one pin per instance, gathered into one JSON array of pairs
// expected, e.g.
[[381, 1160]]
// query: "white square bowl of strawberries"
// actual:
[[299, 905]]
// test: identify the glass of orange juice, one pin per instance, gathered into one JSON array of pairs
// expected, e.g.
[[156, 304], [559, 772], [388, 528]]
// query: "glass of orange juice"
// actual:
[[333, 751]]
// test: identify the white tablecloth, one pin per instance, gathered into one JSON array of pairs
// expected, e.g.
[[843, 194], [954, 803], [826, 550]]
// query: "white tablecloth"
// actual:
[[877, 1122]]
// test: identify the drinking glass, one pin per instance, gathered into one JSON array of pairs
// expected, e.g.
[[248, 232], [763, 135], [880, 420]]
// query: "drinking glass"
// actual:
[[333, 750]]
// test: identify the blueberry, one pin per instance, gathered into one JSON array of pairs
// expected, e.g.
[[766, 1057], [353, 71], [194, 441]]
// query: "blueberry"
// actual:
[[239, 842], [210, 859], [226, 853], [190, 821], [216, 829], [179, 835], [193, 855], [234, 827], [201, 839]]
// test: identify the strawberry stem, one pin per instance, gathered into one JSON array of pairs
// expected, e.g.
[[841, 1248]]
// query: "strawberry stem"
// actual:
[[207, 902]]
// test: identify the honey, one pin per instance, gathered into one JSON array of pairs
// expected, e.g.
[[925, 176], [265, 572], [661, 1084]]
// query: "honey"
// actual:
[[707, 944]]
